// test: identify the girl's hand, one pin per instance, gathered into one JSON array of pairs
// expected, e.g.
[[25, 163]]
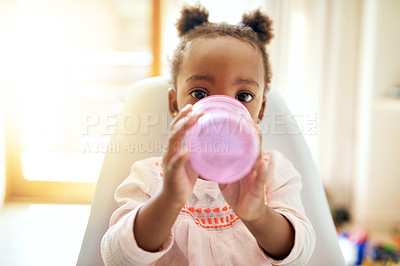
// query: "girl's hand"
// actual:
[[179, 176], [246, 196]]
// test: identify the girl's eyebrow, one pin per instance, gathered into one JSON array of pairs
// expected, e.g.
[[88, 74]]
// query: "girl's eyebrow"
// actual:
[[246, 81], [238, 81], [200, 77]]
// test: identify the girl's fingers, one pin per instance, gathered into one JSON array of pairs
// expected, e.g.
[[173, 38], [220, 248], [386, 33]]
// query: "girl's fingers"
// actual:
[[260, 171], [178, 159], [258, 131], [257, 175], [222, 186], [178, 132], [182, 113]]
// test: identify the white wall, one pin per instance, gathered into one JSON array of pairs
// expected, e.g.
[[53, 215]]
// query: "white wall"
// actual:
[[314, 57], [2, 157], [376, 188]]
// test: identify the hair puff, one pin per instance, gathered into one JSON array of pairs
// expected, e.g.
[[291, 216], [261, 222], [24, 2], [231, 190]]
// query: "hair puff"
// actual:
[[191, 16], [260, 23]]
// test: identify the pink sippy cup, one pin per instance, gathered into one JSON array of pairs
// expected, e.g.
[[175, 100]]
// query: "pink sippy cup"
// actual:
[[223, 145]]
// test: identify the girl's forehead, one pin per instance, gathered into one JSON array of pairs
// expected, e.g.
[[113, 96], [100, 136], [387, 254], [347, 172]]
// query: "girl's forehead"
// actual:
[[219, 46], [223, 57], [225, 48], [225, 41]]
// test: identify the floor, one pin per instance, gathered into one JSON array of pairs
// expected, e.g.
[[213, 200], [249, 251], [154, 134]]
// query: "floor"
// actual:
[[51, 234], [41, 234]]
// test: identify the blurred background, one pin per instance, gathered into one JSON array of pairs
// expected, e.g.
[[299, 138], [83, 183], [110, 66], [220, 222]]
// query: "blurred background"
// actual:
[[66, 67]]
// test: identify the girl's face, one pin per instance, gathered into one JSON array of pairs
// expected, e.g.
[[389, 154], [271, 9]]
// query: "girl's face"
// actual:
[[224, 66]]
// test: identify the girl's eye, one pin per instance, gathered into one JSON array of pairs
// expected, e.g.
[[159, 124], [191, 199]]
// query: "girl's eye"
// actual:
[[244, 97], [198, 94]]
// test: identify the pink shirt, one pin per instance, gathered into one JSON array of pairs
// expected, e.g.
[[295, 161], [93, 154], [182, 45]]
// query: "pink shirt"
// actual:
[[207, 231]]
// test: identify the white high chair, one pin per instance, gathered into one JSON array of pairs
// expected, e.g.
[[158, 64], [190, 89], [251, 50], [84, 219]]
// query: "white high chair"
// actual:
[[142, 129]]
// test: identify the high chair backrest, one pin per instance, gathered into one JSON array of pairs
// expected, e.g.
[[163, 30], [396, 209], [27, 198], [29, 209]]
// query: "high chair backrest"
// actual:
[[141, 132]]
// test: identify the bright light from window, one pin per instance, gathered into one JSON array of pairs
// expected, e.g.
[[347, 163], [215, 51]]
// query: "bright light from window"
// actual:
[[66, 60]]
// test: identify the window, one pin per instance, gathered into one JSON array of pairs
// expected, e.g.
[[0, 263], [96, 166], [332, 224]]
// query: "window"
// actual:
[[69, 65]]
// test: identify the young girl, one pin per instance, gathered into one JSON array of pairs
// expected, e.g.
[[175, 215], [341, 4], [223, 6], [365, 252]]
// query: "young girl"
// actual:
[[171, 216]]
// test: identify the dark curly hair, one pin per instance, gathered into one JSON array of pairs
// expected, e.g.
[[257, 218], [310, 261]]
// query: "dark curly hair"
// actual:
[[255, 28]]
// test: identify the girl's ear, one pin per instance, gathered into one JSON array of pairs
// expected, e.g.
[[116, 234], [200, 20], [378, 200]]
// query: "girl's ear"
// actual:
[[172, 102], [261, 113]]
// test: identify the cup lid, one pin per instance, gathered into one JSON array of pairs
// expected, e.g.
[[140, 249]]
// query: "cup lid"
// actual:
[[223, 145]]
